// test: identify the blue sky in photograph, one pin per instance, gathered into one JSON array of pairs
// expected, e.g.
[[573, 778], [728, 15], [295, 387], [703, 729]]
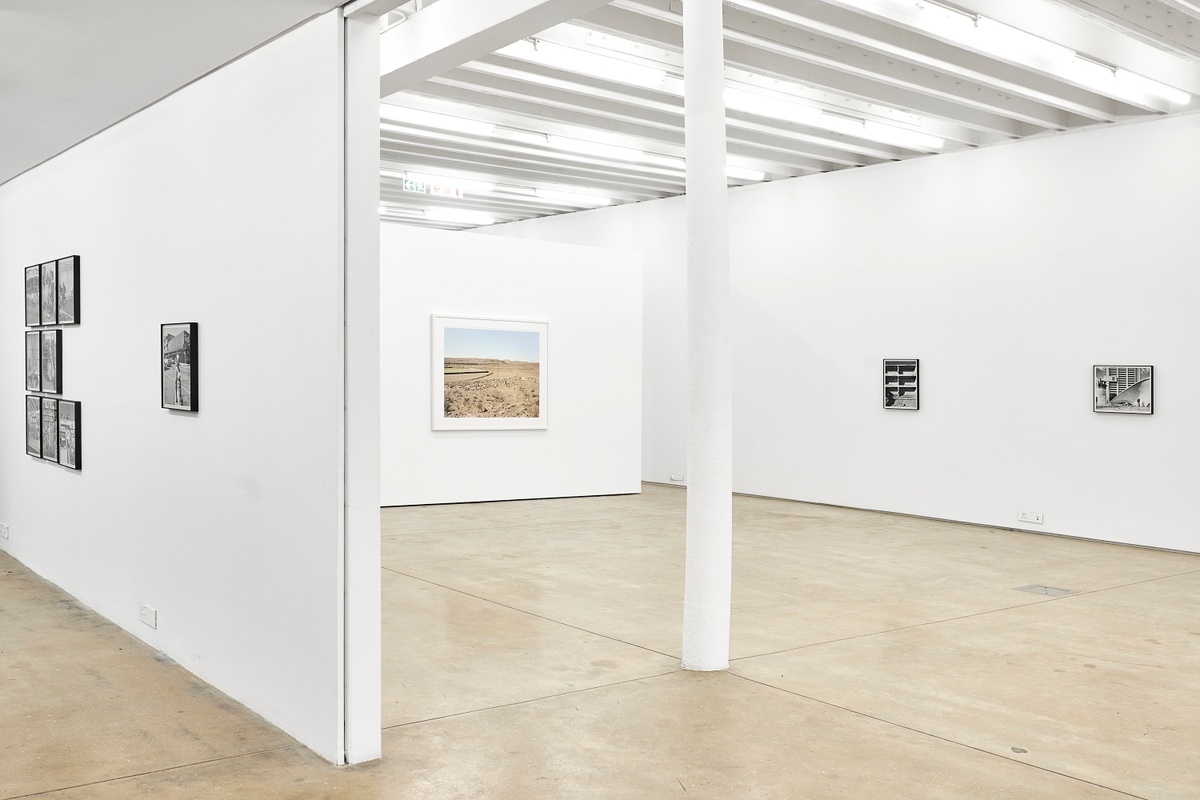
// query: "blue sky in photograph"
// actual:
[[483, 343]]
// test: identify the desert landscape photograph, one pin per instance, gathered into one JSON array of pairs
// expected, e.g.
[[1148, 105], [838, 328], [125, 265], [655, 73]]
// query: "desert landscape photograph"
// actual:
[[491, 374]]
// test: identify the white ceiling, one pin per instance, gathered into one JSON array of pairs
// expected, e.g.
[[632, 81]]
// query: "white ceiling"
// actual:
[[971, 73], [70, 68]]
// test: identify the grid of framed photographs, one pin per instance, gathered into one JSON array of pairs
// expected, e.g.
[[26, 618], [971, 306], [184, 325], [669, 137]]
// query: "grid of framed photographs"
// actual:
[[52, 293], [52, 425]]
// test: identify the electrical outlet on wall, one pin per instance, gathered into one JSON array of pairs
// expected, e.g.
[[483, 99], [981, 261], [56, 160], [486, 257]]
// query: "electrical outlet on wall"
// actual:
[[148, 615], [3, 530], [677, 476], [1030, 516]]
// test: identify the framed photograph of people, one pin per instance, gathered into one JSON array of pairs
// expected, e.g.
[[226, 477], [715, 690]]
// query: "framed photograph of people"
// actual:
[[33, 296], [33, 425], [489, 374], [33, 361], [49, 429], [1123, 389], [52, 361], [180, 366], [49, 293], [901, 383], [68, 291], [69, 454]]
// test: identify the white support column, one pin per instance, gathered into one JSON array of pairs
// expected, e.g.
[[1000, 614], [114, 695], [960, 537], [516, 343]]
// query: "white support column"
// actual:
[[710, 418], [363, 606]]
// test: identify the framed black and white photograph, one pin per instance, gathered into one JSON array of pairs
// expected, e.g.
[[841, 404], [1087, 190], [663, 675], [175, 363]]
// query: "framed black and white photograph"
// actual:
[[52, 361], [49, 293], [901, 383], [69, 454], [49, 429], [68, 291], [33, 361], [1123, 389], [489, 374], [33, 426], [33, 296], [180, 366]]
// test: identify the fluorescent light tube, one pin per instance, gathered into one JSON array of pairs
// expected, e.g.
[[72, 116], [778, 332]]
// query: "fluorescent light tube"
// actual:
[[573, 198], [430, 119], [585, 147], [1123, 83], [524, 137], [458, 215], [597, 65], [771, 106], [744, 174]]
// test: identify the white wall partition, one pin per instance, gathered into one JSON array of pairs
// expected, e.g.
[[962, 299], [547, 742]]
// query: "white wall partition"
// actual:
[[591, 299], [219, 205], [1009, 271]]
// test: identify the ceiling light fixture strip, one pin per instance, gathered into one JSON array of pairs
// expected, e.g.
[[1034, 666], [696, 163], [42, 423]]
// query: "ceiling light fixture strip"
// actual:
[[986, 35]]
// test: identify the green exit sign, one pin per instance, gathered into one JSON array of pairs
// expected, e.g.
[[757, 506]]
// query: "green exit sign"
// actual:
[[410, 185]]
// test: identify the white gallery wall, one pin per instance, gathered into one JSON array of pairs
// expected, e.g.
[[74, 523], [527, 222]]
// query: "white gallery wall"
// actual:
[[219, 205], [1009, 272], [591, 299]]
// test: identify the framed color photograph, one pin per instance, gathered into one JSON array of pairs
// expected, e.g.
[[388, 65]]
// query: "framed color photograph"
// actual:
[[68, 291], [52, 361], [489, 374], [901, 383], [69, 454], [33, 426], [33, 361], [1123, 389], [49, 429], [180, 366], [33, 296], [49, 293]]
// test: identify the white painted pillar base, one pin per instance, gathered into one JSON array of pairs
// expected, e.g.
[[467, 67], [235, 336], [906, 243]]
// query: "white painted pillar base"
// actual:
[[709, 560]]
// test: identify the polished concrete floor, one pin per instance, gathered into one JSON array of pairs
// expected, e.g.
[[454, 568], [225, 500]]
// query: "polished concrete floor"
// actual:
[[531, 650]]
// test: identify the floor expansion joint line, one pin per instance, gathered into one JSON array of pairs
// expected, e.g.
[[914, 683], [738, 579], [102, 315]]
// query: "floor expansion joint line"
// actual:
[[530, 613], [532, 700], [901, 628], [1084, 593], [160, 770], [931, 735]]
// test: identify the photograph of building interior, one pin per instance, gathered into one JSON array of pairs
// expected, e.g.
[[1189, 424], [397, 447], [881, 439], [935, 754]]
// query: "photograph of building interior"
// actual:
[[553, 355]]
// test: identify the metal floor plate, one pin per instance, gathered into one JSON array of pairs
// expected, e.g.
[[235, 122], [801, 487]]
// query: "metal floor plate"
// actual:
[[1049, 591]]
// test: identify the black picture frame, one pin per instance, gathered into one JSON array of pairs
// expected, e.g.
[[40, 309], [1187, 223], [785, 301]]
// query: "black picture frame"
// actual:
[[50, 429], [51, 350], [902, 384], [1123, 389], [70, 451], [33, 425], [180, 365], [68, 290], [33, 296], [49, 275], [33, 361]]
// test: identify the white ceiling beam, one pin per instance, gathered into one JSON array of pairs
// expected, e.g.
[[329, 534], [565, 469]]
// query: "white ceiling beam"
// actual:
[[943, 58], [1063, 23], [370, 8], [452, 32], [568, 97], [915, 89], [1150, 21]]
